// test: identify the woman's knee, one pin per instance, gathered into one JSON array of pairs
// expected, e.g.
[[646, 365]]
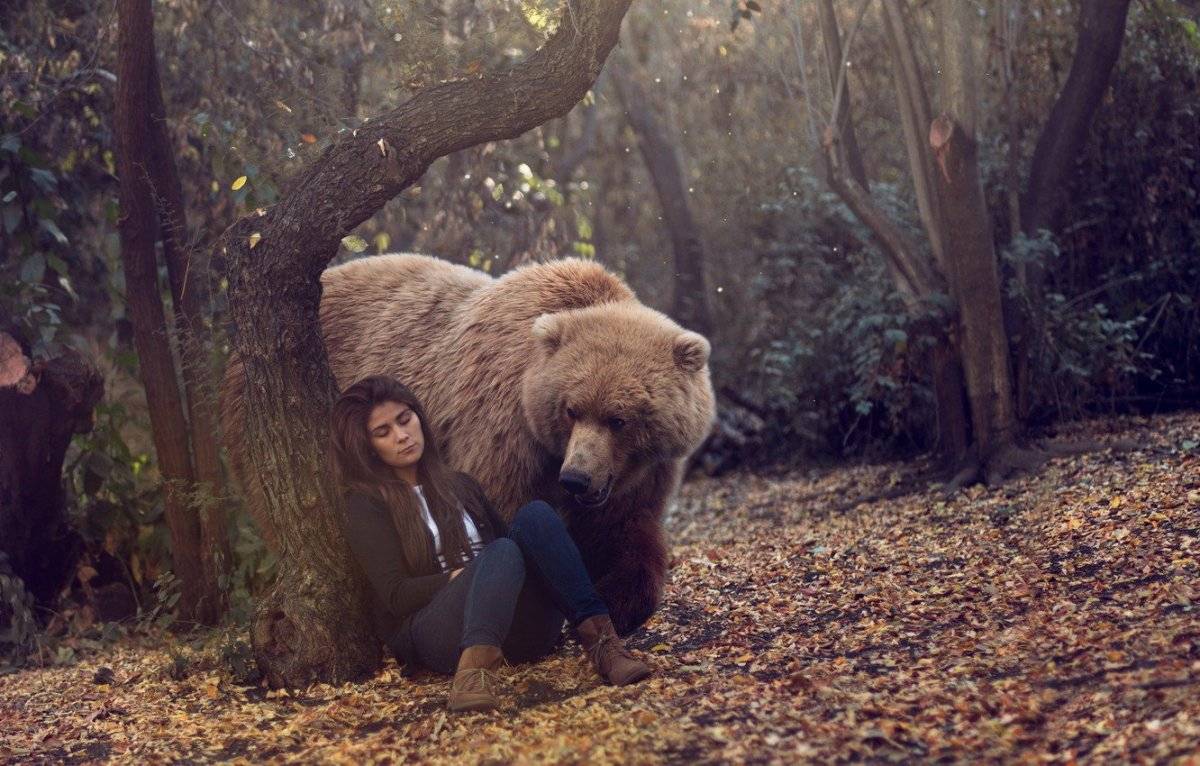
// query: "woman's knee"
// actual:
[[535, 519], [504, 552]]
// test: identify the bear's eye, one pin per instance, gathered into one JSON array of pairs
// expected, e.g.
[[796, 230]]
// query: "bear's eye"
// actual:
[[616, 424], [572, 414]]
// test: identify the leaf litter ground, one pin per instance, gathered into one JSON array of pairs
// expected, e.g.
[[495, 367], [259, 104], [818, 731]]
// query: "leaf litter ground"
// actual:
[[1052, 619]]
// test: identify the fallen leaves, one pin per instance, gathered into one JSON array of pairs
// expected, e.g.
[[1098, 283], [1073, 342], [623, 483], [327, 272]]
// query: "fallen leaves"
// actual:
[[1040, 621]]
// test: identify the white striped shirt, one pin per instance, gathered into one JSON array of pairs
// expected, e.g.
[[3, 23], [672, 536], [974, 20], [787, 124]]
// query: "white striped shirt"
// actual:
[[472, 532]]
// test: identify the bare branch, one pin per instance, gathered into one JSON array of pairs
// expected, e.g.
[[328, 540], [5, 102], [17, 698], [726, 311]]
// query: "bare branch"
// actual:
[[840, 88], [915, 119]]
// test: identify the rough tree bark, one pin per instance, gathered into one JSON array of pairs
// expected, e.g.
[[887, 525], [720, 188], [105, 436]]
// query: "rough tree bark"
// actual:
[[312, 624], [967, 236], [42, 405], [133, 128], [689, 305]]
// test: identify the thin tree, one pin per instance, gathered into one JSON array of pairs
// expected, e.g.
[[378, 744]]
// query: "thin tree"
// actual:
[[148, 185], [187, 272], [967, 238], [1100, 32], [312, 624]]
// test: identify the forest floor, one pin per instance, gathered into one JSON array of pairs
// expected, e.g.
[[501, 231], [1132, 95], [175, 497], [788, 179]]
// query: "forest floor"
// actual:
[[1055, 619]]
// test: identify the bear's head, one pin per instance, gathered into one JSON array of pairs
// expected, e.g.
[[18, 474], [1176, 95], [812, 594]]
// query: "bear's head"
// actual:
[[615, 390]]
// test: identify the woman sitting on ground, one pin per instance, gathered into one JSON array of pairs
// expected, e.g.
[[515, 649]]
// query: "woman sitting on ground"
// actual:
[[454, 591]]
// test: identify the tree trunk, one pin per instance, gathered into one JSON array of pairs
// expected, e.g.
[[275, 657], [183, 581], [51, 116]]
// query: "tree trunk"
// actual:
[[1008, 31], [949, 396], [190, 295], [968, 239], [313, 623], [41, 408], [1101, 31], [690, 303], [135, 76]]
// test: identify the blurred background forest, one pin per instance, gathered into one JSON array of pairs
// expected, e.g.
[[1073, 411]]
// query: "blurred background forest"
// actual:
[[694, 169]]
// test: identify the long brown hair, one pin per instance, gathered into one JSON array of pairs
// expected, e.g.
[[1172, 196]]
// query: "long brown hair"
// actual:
[[358, 468]]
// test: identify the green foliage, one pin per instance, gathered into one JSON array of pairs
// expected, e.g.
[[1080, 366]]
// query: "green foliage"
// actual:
[[837, 357], [167, 589], [1131, 239], [1078, 352], [238, 657], [235, 178], [542, 15], [34, 276], [1116, 323], [112, 504], [55, 162], [253, 568], [16, 616]]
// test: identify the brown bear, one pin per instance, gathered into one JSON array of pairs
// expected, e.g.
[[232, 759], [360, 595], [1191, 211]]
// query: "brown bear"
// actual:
[[551, 382]]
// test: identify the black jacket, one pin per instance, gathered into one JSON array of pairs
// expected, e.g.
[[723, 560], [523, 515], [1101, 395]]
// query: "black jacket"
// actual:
[[397, 592]]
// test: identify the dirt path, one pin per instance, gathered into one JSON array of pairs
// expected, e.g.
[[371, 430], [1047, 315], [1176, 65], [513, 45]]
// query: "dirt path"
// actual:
[[1057, 619]]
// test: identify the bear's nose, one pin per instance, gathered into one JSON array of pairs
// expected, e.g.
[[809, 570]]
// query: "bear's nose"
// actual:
[[575, 482]]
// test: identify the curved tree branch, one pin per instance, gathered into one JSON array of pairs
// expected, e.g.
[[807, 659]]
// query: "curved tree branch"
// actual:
[[1101, 32], [380, 159]]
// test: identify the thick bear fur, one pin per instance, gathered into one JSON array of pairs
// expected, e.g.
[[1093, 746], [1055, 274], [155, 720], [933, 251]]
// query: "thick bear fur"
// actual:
[[553, 370]]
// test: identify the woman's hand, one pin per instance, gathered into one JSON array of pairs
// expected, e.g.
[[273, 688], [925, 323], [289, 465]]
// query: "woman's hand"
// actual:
[[454, 574]]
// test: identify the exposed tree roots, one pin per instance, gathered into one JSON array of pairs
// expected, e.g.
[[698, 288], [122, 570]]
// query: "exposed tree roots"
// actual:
[[1014, 461]]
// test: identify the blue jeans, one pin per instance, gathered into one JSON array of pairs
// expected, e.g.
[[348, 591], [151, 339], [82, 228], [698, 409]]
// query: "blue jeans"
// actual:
[[514, 594]]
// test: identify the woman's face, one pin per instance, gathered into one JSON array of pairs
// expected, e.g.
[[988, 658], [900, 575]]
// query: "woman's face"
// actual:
[[395, 433]]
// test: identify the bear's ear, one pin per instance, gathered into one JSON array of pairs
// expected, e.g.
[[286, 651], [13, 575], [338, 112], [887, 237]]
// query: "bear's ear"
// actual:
[[548, 330], [691, 351]]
